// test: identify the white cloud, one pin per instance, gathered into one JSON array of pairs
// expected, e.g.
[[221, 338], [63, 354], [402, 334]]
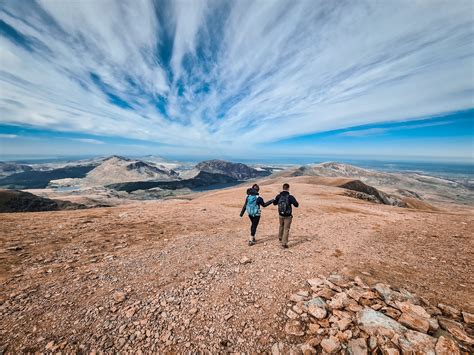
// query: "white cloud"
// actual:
[[88, 140], [364, 132], [271, 69], [8, 136], [382, 130]]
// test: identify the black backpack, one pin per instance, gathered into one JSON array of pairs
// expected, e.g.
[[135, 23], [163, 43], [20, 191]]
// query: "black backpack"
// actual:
[[284, 205]]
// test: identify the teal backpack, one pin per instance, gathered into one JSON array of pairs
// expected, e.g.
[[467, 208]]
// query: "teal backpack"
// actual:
[[252, 208]]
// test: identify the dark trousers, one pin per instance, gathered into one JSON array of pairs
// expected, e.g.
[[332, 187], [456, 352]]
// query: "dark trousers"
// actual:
[[253, 227]]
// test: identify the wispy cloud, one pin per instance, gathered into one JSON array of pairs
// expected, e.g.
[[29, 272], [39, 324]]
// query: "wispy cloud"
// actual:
[[376, 131], [364, 132], [8, 136], [225, 74], [88, 140]]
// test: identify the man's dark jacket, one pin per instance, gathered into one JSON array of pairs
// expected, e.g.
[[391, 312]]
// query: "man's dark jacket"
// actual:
[[291, 200]]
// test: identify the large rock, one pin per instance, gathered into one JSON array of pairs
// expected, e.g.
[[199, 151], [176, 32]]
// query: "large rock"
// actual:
[[339, 301], [317, 308], [449, 311], [456, 330], [385, 291], [446, 346], [409, 307], [357, 347], [374, 323], [358, 292], [415, 317], [417, 343], [325, 293], [468, 318], [390, 295], [414, 321], [331, 345], [316, 282]]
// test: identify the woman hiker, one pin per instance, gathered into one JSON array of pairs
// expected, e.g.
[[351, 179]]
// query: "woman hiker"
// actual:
[[252, 206]]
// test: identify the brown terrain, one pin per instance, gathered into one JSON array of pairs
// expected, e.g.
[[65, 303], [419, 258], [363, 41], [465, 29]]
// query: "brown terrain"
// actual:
[[177, 275]]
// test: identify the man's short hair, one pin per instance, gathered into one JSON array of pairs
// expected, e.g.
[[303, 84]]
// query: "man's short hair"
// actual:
[[286, 186]]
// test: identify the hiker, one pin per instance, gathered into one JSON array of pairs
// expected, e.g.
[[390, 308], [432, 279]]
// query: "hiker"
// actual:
[[252, 207], [284, 201]]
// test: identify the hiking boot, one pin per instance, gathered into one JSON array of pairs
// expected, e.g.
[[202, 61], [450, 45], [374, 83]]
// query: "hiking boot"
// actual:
[[284, 246], [252, 242]]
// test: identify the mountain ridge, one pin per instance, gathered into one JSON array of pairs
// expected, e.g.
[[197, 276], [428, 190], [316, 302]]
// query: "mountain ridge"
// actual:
[[238, 171]]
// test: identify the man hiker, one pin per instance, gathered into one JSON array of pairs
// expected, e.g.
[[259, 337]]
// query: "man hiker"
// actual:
[[284, 201], [252, 207]]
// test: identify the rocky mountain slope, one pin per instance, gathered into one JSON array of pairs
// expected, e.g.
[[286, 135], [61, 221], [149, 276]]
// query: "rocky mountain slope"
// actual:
[[20, 201], [9, 168], [174, 276], [238, 171], [38, 179], [203, 180], [412, 185], [117, 169]]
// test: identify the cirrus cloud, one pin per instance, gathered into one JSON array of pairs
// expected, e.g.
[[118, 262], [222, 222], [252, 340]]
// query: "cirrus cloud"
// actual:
[[216, 74]]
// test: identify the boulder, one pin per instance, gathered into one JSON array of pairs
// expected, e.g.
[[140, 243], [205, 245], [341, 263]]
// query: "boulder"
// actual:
[[391, 312], [317, 308], [456, 330], [343, 324], [414, 321], [446, 346], [339, 301], [434, 325], [449, 311], [358, 292], [374, 322], [331, 345], [357, 347], [385, 291], [339, 280], [317, 282], [325, 293], [297, 297], [417, 343], [468, 318], [409, 307]]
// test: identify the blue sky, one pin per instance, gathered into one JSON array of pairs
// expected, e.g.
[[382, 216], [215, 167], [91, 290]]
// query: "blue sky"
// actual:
[[237, 78]]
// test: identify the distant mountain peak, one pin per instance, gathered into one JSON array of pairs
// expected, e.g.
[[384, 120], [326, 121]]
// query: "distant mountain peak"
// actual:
[[237, 171], [117, 157]]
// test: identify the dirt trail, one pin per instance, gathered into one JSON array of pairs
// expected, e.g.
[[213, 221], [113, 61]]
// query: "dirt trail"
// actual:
[[188, 279]]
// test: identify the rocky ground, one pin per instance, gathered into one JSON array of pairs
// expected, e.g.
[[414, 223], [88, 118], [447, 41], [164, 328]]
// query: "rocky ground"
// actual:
[[339, 315], [177, 275]]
